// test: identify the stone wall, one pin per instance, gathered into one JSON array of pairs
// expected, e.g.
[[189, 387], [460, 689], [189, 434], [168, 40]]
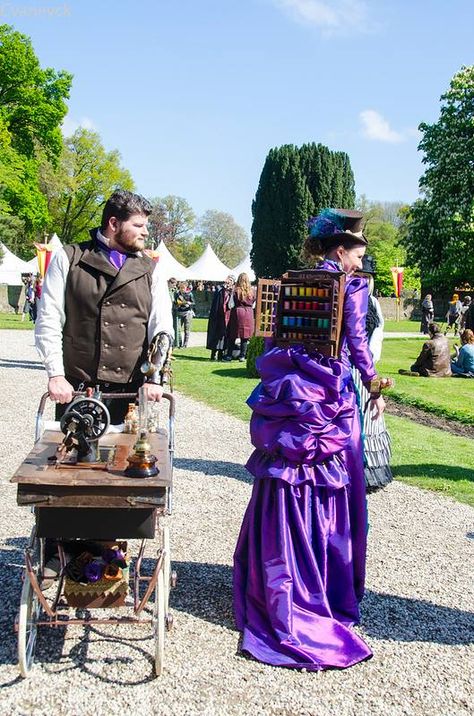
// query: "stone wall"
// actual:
[[12, 298], [410, 308]]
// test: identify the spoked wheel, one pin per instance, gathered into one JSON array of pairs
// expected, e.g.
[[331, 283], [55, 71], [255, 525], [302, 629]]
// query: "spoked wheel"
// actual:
[[28, 616], [159, 622]]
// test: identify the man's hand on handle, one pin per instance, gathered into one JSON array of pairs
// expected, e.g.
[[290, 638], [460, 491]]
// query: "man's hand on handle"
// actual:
[[60, 390], [153, 391]]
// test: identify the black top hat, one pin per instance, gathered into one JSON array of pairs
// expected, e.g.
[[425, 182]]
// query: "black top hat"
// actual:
[[331, 225]]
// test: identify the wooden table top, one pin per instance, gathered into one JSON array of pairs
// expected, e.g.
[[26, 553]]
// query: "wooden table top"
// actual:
[[37, 469]]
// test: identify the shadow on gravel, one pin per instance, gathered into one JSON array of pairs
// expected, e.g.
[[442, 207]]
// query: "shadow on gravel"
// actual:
[[205, 591], [214, 467], [31, 364], [387, 616], [50, 647], [445, 472]]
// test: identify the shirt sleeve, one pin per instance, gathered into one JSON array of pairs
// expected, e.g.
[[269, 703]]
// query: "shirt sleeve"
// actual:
[[376, 339], [51, 315], [355, 314], [161, 319]]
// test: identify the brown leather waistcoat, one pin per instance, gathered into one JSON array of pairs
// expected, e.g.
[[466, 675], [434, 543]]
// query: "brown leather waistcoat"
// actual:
[[107, 310]]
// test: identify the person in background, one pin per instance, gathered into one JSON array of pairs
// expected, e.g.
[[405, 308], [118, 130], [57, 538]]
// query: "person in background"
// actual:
[[453, 315], [219, 319], [434, 360], [38, 288], [463, 365], [377, 443], [173, 290], [29, 297], [241, 322], [184, 301], [427, 313], [466, 304]]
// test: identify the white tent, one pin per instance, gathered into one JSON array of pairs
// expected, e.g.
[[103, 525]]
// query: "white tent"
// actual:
[[208, 267], [245, 267], [170, 267], [11, 267]]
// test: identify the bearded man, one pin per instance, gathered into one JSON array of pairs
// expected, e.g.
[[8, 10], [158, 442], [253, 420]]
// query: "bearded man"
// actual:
[[102, 303]]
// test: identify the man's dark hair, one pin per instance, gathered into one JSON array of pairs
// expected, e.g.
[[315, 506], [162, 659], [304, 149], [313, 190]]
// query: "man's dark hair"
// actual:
[[434, 328], [122, 204]]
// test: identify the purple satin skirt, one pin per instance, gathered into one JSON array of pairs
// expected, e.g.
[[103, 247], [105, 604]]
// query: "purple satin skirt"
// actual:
[[299, 564]]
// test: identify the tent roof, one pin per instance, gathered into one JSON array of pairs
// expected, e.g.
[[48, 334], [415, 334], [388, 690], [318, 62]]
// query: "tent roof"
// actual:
[[170, 267], [208, 267], [245, 267], [11, 267]]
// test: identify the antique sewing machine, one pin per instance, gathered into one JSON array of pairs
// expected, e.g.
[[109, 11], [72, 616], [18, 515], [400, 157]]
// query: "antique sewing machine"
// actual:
[[85, 421]]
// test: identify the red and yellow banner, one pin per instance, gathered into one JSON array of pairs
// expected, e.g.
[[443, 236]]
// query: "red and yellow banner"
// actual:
[[43, 254], [397, 278]]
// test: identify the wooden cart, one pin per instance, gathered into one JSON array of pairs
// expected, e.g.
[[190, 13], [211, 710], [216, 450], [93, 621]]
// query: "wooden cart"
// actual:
[[95, 504]]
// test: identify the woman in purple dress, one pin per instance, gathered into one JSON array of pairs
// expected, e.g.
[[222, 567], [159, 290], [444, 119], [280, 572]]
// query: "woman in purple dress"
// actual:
[[299, 564]]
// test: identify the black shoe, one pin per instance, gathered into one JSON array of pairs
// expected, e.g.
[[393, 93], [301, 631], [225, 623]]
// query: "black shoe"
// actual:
[[227, 359]]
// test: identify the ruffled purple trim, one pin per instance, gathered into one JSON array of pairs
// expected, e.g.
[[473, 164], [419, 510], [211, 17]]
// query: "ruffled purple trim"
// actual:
[[331, 474]]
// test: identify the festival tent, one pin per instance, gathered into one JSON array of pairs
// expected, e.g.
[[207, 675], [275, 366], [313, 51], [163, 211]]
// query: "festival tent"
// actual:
[[170, 267], [208, 267], [245, 267], [11, 267]]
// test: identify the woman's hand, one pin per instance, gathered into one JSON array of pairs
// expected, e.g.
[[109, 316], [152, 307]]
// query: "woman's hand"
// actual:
[[376, 407]]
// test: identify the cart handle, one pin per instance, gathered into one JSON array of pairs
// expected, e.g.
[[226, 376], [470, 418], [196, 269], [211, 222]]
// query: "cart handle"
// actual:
[[114, 396]]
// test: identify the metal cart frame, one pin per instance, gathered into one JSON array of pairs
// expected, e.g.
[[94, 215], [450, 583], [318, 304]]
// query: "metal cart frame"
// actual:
[[37, 610]]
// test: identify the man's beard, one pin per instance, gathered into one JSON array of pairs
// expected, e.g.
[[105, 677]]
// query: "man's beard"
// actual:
[[125, 245]]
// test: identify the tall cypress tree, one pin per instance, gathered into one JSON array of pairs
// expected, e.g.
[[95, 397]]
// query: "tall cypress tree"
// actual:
[[295, 184], [280, 212]]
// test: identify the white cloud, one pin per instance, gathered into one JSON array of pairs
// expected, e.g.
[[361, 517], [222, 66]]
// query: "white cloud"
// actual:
[[376, 127], [331, 16], [70, 125]]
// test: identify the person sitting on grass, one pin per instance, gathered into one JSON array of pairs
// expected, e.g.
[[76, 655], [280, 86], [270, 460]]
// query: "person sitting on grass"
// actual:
[[463, 365], [434, 360]]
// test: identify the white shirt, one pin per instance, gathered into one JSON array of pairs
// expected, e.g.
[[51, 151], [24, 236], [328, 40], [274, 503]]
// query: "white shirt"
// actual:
[[52, 317]]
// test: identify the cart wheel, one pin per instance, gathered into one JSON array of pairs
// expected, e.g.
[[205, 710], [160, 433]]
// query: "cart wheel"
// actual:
[[159, 622], [28, 616]]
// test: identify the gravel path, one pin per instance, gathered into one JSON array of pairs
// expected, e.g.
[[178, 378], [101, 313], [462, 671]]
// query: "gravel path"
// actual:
[[415, 615]]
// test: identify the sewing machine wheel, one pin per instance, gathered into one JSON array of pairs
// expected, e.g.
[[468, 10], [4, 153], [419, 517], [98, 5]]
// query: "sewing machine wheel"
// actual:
[[88, 417]]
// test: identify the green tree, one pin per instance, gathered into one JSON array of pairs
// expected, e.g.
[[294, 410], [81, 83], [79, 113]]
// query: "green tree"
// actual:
[[295, 183], [384, 246], [32, 107], [280, 211], [329, 176], [228, 240], [78, 188], [439, 229], [172, 221]]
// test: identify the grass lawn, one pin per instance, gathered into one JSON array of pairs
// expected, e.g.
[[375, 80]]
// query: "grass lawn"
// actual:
[[13, 320], [446, 466], [199, 325], [402, 326], [450, 397], [429, 458]]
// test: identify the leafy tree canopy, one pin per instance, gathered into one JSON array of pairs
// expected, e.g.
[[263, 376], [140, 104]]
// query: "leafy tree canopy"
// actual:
[[439, 228], [32, 99], [77, 189], [228, 240], [172, 221], [32, 107]]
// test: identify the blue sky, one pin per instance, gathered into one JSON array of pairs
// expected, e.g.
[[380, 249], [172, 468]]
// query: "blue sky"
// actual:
[[193, 93]]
